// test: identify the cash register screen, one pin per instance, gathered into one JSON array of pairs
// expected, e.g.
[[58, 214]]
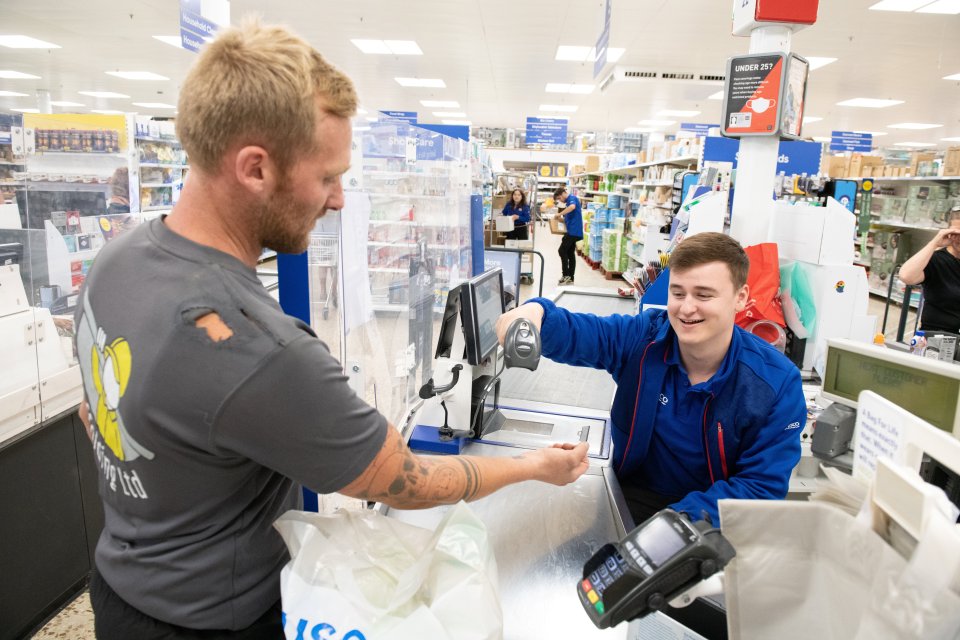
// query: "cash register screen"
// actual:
[[482, 307], [904, 379], [660, 541]]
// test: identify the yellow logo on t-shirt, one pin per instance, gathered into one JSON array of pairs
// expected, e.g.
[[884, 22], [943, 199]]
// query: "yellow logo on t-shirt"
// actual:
[[111, 372]]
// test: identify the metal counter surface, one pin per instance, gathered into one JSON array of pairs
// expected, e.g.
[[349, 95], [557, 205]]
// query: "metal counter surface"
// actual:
[[563, 384], [541, 536]]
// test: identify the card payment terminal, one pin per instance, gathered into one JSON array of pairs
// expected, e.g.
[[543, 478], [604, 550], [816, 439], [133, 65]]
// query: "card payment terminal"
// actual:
[[654, 563]]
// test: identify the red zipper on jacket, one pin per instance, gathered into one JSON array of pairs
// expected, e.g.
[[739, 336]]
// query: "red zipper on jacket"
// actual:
[[636, 404], [706, 440], [723, 454]]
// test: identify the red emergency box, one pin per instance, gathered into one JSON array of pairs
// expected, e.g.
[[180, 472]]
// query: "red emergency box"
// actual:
[[750, 14]]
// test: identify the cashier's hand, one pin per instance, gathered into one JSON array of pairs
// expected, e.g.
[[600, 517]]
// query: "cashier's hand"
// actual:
[[532, 312], [560, 464]]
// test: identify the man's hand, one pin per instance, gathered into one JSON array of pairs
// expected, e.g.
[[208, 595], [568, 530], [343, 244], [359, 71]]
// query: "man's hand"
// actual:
[[532, 312], [945, 237], [85, 418], [560, 464]]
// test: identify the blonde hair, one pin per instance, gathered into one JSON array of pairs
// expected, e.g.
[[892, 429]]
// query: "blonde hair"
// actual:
[[257, 84]]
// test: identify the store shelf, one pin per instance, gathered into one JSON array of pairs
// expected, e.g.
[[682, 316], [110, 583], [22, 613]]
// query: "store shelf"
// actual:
[[46, 185], [895, 297], [907, 178], [11, 163], [155, 185], [85, 154], [159, 207], [164, 140], [389, 270], [164, 166], [81, 255], [634, 257], [651, 184], [903, 225], [268, 254]]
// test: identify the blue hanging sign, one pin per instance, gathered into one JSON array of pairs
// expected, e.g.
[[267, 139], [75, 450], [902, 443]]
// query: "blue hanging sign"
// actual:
[[851, 141], [196, 27], [603, 41], [547, 130], [796, 157], [697, 127], [406, 116]]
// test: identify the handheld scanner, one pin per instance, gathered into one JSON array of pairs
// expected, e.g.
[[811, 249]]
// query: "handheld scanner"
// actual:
[[651, 565], [521, 345]]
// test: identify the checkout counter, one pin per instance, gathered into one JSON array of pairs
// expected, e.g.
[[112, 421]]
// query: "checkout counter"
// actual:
[[543, 534]]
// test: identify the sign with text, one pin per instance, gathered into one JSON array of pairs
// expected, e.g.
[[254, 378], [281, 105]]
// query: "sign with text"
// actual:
[[547, 130], [851, 141], [405, 116], [200, 20], [603, 41], [697, 127], [752, 95], [796, 157]]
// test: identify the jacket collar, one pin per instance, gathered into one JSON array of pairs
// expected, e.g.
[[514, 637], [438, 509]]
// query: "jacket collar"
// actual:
[[668, 338]]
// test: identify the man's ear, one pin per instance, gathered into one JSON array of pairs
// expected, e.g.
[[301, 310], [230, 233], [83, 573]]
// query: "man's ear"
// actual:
[[743, 296], [255, 170]]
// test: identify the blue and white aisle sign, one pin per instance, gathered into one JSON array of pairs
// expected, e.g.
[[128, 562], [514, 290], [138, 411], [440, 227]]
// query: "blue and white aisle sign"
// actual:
[[603, 41], [547, 130], [851, 141], [796, 157], [696, 127], [405, 116], [200, 20]]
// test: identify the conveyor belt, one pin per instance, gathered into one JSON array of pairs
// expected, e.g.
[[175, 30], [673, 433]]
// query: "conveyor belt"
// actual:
[[560, 383]]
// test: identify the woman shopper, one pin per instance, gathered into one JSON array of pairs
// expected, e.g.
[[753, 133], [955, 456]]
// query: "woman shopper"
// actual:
[[519, 210]]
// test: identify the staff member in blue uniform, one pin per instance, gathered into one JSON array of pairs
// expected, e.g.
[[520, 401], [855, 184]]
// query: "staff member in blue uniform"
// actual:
[[703, 409], [573, 219], [519, 210]]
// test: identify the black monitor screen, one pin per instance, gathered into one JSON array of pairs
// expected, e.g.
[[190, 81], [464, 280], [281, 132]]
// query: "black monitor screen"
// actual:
[[481, 309]]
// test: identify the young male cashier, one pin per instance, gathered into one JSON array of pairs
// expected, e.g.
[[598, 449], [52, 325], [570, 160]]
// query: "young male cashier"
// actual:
[[703, 409]]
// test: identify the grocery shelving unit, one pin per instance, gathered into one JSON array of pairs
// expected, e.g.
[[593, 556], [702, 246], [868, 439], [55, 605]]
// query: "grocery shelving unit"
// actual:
[[162, 166]]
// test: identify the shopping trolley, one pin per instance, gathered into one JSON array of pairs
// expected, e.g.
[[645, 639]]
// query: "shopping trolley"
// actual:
[[323, 260]]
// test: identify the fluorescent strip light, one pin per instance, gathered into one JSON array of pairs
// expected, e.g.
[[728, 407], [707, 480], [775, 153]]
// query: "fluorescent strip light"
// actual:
[[656, 123], [899, 5], [372, 119], [955, 76], [716, 96], [361, 111], [434, 83], [639, 130], [103, 94], [26, 42], [573, 53], [809, 119], [13, 94], [155, 105], [871, 103], [107, 112], [173, 41], [945, 7], [371, 46], [465, 123], [821, 139], [817, 62], [450, 114], [613, 54], [25, 110], [363, 128], [873, 133], [955, 139], [16, 75], [678, 113], [916, 126], [553, 116], [66, 103], [136, 75], [914, 144], [441, 104], [403, 47], [562, 108]]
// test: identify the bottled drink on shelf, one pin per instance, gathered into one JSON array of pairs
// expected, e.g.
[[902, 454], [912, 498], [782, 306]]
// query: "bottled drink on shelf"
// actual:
[[918, 343]]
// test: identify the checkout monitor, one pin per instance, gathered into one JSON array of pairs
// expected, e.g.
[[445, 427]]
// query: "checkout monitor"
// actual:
[[481, 305], [927, 388]]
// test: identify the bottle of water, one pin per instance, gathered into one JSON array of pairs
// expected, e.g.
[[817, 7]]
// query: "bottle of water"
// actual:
[[918, 343]]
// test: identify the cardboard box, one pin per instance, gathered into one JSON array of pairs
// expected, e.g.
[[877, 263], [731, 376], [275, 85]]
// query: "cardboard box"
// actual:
[[557, 227], [499, 202], [858, 161], [592, 163], [838, 166], [917, 157], [951, 162]]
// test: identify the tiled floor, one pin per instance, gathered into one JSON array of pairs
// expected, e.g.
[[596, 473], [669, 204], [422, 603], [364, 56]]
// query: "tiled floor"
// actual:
[[75, 622]]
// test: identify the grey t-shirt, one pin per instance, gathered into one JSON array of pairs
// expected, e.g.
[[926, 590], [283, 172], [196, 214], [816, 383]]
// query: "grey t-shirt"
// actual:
[[200, 444]]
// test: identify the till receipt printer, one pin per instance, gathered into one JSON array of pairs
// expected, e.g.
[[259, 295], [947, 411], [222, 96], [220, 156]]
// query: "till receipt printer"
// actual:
[[653, 564]]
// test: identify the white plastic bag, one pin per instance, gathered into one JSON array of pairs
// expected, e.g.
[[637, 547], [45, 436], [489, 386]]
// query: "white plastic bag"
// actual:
[[358, 575]]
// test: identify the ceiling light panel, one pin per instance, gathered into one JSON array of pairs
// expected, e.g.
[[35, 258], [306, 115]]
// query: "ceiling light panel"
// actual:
[[450, 114], [13, 94], [809, 119], [107, 112], [66, 103], [403, 47], [899, 5], [155, 105], [434, 83], [441, 104], [16, 75], [25, 42], [870, 103], [137, 75], [817, 62], [639, 130], [561, 87], [914, 144], [915, 126], [561, 108], [173, 41], [716, 96], [946, 7], [956, 139], [103, 94], [656, 123], [371, 46], [822, 139], [25, 109], [464, 123], [573, 53], [955, 76]]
